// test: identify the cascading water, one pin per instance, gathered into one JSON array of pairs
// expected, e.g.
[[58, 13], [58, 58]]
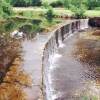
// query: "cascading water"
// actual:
[[51, 54]]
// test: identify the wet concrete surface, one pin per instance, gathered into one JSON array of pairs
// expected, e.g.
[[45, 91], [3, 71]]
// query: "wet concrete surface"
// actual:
[[23, 80], [72, 79], [32, 65]]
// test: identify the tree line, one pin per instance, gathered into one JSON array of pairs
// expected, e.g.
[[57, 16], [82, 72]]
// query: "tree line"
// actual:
[[25, 3], [90, 4]]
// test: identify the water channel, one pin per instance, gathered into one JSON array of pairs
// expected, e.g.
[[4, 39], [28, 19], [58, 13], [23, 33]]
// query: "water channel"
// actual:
[[72, 70]]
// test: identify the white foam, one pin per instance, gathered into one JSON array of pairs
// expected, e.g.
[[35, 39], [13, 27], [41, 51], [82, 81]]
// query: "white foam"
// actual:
[[52, 67], [55, 96], [61, 44], [49, 78], [56, 57]]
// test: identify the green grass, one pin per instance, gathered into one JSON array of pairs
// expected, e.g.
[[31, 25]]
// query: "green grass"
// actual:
[[93, 13], [36, 12], [62, 11], [49, 1]]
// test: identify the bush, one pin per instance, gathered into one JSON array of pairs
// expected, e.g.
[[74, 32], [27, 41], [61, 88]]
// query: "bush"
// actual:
[[36, 2], [49, 14], [45, 5], [57, 4], [5, 9], [78, 12]]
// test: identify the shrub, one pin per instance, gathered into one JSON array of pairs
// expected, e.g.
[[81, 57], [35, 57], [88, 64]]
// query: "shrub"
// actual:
[[49, 14], [78, 12], [5, 9], [45, 5]]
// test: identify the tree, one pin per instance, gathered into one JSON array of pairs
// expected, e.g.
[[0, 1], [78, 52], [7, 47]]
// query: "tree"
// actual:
[[21, 3], [25, 3], [78, 12], [66, 3], [93, 3], [49, 14], [5, 9], [36, 2]]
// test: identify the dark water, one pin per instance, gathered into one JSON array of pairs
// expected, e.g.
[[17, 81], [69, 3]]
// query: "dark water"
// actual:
[[75, 74]]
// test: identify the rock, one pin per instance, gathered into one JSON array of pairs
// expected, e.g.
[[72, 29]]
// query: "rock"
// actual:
[[94, 22]]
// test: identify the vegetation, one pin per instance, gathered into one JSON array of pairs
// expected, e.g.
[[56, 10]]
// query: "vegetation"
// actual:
[[92, 13], [49, 14], [57, 4], [78, 7], [25, 3], [5, 9]]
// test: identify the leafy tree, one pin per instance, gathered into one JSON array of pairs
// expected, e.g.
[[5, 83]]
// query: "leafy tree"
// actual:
[[76, 6], [57, 3], [78, 12], [36, 2], [21, 3], [5, 9], [93, 3], [49, 14], [66, 3], [25, 3], [45, 4]]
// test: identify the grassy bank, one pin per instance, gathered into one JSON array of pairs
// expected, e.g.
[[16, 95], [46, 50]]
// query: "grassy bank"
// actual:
[[92, 13], [36, 12]]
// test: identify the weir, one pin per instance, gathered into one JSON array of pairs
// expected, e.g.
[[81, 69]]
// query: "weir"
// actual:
[[50, 52]]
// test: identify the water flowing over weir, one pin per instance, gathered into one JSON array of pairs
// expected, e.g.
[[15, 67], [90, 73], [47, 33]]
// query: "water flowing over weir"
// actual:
[[51, 55]]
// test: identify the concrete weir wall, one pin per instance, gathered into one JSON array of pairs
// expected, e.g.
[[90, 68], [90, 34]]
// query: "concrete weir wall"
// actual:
[[55, 41]]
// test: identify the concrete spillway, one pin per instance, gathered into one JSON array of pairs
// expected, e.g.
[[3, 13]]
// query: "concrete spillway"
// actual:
[[63, 76]]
